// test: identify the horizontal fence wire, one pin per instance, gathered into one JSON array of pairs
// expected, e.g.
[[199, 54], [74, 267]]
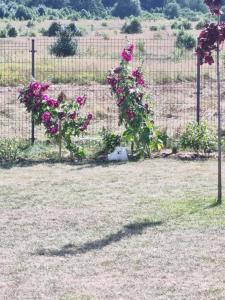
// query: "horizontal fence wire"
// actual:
[[170, 79]]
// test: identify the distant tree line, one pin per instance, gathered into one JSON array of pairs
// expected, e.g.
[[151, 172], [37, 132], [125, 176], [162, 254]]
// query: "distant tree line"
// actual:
[[27, 9]]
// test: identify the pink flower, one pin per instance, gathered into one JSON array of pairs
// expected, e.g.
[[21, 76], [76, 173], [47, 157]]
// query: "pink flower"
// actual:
[[127, 56], [54, 129], [46, 117], [81, 100], [131, 48], [141, 81], [136, 73], [35, 85], [112, 81], [130, 114], [139, 77], [90, 116], [119, 90], [44, 87], [52, 103], [127, 53], [45, 98], [73, 115]]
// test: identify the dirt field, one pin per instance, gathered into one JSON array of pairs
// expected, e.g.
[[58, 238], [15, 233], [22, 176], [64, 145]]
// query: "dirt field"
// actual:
[[126, 231]]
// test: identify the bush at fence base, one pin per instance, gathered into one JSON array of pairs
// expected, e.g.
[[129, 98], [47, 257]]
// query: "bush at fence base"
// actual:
[[198, 137], [134, 111], [110, 141], [10, 149], [61, 117]]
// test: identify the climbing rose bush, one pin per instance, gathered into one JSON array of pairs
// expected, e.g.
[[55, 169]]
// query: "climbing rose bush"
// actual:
[[135, 113], [61, 117]]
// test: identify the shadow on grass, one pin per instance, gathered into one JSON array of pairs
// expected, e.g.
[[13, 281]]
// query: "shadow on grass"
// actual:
[[127, 231], [85, 164], [213, 205]]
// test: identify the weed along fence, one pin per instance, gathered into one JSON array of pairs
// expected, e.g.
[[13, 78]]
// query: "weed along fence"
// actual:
[[171, 76]]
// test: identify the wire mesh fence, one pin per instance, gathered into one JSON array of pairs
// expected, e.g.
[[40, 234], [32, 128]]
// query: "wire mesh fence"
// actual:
[[170, 79]]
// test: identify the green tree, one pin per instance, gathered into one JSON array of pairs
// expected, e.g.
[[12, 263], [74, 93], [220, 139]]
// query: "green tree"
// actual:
[[185, 40], [65, 44], [152, 4], [23, 13], [95, 7], [133, 27], [171, 10], [127, 8], [54, 29], [12, 32], [3, 10], [109, 3]]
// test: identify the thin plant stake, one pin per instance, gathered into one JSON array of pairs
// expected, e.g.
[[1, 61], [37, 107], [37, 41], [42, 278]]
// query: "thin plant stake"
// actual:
[[219, 199], [60, 140]]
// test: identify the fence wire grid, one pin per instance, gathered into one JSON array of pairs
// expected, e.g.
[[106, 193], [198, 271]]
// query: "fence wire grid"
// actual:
[[170, 79]]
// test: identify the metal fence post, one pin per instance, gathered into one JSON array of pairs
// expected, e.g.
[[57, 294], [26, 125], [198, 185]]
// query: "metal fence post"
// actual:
[[198, 89], [33, 51]]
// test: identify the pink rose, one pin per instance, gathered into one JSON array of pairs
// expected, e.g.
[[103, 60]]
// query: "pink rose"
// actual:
[[46, 117], [52, 103]]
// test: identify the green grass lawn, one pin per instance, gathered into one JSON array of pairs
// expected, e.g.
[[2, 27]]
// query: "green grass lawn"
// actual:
[[141, 230]]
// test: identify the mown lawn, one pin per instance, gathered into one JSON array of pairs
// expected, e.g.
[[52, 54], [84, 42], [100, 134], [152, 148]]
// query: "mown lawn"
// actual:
[[141, 230]]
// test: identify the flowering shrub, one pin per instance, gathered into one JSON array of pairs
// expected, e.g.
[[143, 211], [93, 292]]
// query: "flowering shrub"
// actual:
[[214, 6], [134, 112], [207, 41], [61, 117], [212, 35]]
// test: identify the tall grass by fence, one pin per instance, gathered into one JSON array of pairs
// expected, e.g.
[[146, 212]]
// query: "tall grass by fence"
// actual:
[[170, 74]]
